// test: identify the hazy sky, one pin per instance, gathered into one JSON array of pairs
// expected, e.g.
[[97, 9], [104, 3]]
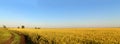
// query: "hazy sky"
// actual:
[[60, 13]]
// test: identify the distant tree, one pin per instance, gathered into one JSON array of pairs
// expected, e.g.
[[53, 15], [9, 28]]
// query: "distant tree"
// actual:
[[38, 28], [22, 26], [4, 26], [18, 27], [35, 27]]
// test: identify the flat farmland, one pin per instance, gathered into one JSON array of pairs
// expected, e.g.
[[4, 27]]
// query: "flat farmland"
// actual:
[[72, 35]]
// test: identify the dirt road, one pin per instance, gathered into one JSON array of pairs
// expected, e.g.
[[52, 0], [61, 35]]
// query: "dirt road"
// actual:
[[11, 39]]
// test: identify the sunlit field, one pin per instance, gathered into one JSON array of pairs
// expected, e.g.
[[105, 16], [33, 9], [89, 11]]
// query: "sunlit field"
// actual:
[[4, 35], [72, 35]]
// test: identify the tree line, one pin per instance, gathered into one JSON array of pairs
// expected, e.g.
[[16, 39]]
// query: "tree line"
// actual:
[[22, 27]]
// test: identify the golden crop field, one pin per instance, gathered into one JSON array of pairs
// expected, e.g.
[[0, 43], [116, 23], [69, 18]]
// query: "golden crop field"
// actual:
[[72, 35]]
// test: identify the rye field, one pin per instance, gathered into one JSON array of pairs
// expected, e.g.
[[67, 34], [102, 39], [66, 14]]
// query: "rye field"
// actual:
[[71, 35]]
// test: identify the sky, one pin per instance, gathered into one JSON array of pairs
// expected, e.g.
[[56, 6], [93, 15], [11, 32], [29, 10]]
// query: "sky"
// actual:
[[60, 13]]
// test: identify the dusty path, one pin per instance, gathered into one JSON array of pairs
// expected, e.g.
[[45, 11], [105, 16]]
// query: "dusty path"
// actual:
[[11, 39], [22, 38]]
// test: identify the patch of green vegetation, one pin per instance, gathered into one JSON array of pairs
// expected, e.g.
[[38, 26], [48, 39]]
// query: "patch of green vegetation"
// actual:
[[4, 35]]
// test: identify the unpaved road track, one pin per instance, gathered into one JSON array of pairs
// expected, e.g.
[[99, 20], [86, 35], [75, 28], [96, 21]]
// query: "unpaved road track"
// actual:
[[11, 39], [22, 38]]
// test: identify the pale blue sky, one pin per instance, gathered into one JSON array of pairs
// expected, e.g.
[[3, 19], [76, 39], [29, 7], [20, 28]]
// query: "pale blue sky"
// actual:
[[60, 13]]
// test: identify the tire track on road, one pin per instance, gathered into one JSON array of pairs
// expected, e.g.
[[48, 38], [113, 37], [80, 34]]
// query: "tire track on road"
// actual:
[[22, 38], [9, 41]]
